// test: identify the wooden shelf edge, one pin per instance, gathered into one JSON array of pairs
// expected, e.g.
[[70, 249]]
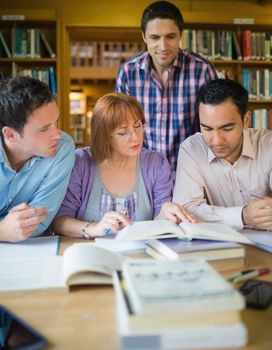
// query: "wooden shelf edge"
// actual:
[[30, 14], [93, 73]]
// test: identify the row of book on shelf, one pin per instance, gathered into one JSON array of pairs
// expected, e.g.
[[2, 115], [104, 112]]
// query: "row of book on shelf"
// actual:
[[224, 45], [45, 74], [213, 45], [261, 119], [111, 54], [258, 83], [26, 43]]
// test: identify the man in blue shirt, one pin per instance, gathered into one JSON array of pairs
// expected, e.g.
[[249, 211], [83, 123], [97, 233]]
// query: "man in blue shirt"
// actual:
[[36, 158]]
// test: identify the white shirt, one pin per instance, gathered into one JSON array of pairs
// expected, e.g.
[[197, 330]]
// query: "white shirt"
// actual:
[[215, 190]]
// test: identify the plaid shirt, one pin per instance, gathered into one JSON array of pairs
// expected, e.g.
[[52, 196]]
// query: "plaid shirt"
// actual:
[[169, 111]]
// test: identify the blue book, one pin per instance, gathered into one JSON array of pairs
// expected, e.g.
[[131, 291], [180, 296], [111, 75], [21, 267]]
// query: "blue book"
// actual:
[[52, 80]]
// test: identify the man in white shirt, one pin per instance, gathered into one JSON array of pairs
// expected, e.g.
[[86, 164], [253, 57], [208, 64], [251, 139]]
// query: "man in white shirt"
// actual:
[[224, 173]]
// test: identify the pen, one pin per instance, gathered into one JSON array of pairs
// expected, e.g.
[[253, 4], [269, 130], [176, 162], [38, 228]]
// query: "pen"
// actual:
[[107, 231], [254, 273], [124, 291], [234, 275], [253, 195]]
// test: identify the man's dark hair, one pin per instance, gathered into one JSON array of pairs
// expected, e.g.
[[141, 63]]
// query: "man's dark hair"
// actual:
[[218, 91], [162, 10], [19, 98]]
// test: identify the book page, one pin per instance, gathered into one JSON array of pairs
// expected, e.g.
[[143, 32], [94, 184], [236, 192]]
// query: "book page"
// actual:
[[213, 231], [31, 274], [36, 247], [109, 242], [190, 285], [142, 230], [259, 236], [83, 262]]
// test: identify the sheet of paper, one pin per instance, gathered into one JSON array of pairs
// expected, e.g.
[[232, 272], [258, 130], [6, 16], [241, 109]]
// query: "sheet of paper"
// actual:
[[261, 238], [36, 247], [109, 242]]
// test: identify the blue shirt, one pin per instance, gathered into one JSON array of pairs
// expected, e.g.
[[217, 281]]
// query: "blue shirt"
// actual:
[[170, 110], [41, 182]]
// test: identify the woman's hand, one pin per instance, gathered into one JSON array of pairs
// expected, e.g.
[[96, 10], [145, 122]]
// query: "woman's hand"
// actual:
[[110, 223], [176, 213]]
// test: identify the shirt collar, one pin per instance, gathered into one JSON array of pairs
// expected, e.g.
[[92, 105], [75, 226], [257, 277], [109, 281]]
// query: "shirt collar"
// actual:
[[247, 149], [4, 157]]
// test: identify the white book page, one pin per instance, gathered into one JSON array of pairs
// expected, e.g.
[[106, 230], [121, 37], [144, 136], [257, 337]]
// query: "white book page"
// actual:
[[31, 274], [259, 237], [213, 231], [109, 242], [36, 247], [186, 284], [87, 257], [142, 230]]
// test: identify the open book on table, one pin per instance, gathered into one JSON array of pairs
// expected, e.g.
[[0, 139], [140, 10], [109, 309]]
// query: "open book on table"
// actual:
[[81, 263], [145, 230]]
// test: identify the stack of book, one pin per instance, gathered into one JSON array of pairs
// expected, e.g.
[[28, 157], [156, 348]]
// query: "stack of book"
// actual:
[[211, 241], [183, 304], [224, 256]]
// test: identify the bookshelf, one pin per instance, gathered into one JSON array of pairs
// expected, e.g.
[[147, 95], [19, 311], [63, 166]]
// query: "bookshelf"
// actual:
[[94, 54], [28, 45]]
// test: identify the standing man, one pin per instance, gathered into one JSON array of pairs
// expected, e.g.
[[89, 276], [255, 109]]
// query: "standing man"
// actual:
[[224, 173], [165, 80], [36, 158]]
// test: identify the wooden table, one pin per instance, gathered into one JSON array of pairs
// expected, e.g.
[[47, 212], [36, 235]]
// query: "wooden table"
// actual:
[[85, 317]]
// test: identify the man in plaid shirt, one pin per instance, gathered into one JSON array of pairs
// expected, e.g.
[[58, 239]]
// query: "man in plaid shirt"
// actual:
[[165, 80]]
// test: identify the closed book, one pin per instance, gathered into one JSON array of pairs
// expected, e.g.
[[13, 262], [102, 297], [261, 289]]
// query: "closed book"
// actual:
[[52, 80], [204, 331], [191, 285], [5, 45], [246, 45], [174, 248], [224, 265], [139, 322], [236, 47], [215, 337], [47, 45]]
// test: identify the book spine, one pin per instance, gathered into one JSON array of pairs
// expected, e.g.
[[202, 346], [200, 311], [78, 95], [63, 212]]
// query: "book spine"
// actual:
[[4, 44], [198, 338], [52, 79], [236, 47], [47, 45], [246, 45]]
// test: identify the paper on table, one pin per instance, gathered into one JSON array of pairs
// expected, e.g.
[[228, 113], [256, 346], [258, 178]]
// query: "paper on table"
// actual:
[[262, 239], [36, 247], [109, 242]]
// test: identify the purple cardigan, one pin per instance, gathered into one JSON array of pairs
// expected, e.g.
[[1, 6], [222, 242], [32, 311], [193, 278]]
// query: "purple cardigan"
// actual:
[[156, 173]]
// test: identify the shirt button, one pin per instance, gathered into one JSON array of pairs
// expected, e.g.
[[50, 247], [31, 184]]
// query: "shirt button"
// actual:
[[10, 200], [163, 138]]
